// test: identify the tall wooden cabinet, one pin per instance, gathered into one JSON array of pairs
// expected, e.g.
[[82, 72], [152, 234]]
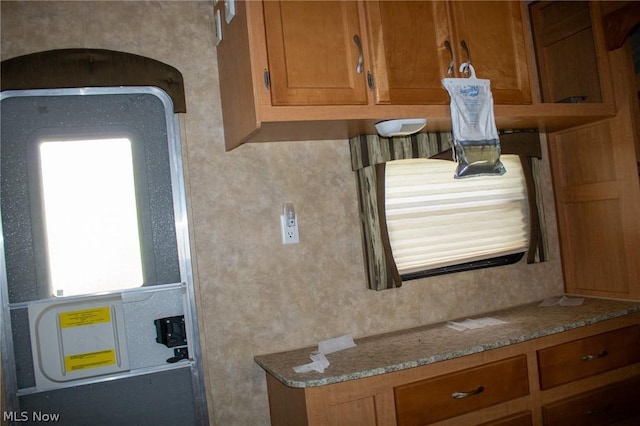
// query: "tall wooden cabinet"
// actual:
[[598, 201], [415, 44], [594, 166]]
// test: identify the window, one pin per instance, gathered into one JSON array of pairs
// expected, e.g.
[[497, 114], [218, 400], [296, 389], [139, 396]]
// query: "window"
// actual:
[[435, 221], [90, 215], [418, 221]]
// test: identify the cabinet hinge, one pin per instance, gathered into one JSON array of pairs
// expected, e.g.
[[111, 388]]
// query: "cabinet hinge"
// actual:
[[370, 80], [267, 79]]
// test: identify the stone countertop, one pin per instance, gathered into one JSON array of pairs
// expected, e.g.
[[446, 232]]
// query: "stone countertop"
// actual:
[[424, 345]]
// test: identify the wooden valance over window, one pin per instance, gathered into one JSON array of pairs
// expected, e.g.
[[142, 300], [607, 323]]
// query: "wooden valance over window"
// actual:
[[369, 153], [70, 68], [369, 150]]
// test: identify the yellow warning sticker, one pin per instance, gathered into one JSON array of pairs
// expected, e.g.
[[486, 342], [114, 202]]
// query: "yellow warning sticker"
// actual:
[[85, 317], [90, 360]]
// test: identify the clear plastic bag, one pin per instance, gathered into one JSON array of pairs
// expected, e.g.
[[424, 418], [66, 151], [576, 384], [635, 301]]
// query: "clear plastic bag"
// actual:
[[475, 136]]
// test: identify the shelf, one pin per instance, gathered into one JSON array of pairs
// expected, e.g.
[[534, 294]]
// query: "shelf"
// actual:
[[326, 123]]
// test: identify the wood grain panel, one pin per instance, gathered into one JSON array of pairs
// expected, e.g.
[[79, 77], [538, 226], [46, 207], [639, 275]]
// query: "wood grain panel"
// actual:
[[360, 412], [432, 400], [607, 351], [598, 197], [407, 49], [287, 405], [566, 53], [410, 58], [493, 31], [585, 156], [607, 405], [518, 419], [312, 55], [594, 235]]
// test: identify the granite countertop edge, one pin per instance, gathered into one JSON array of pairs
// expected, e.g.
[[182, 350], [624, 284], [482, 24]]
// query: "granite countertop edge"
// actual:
[[307, 382]]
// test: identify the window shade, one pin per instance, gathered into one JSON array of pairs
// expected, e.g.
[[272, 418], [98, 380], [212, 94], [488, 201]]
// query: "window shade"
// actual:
[[434, 220]]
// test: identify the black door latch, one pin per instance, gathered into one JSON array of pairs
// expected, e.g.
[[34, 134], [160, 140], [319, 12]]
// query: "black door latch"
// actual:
[[172, 333]]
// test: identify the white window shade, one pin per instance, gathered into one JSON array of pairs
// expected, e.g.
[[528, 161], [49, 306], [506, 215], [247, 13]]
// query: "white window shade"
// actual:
[[434, 220]]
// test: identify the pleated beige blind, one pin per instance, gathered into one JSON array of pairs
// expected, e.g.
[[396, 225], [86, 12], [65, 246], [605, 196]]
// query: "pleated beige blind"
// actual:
[[435, 220]]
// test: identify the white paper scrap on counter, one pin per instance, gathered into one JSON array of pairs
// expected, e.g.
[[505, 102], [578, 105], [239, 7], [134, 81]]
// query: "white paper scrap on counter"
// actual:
[[471, 324], [550, 301], [571, 301], [336, 344], [456, 326], [562, 301], [319, 363], [490, 321]]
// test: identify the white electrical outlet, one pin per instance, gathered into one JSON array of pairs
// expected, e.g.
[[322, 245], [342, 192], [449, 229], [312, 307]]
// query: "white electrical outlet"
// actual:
[[289, 230]]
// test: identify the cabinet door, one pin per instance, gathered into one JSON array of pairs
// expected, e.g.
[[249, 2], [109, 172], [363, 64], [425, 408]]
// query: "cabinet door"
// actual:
[[604, 406], [566, 51], [407, 44], [408, 48], [442, 397], [588, 356], [597, 203], [494, 35], [595, 179], [312, 53]]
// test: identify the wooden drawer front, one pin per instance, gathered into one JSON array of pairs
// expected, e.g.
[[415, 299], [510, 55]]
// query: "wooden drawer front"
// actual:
[[602, 406], [450, 395], [518, 419], [586, 357]]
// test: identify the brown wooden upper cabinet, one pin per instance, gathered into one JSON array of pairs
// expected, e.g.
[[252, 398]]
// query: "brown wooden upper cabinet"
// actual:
[[315, 52], [307, 70], [414, 45], [566, 51]]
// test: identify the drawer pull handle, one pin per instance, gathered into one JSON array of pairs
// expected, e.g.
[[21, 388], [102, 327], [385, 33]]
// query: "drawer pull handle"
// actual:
[[603, 410], [460, 395], [592, 357], [360, 64], [447, 46]]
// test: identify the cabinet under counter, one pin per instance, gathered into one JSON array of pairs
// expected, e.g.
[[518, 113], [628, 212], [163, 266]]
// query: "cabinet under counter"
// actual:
[[359, 385]]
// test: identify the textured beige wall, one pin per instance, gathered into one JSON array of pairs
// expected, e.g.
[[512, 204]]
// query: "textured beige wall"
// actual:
[[255, 295]]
